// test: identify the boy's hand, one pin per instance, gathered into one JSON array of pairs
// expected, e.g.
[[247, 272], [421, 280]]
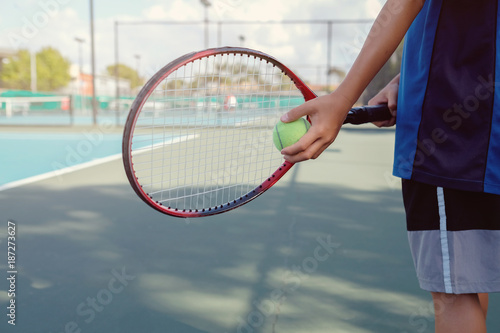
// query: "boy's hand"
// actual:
[[326, 113], [389, 96]]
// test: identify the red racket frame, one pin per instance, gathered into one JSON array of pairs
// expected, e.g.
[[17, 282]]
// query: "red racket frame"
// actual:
[[148, 89]]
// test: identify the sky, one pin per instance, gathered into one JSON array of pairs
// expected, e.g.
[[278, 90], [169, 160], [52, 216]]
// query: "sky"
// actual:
[[33, 24]]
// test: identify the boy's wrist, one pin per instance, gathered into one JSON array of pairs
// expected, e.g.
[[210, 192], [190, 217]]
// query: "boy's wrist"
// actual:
[[344, 95]]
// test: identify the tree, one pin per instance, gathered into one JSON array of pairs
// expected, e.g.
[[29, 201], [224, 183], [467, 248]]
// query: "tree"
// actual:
[[386, 74], [16, 71], [126, 72], [175, 84], [52, 70]]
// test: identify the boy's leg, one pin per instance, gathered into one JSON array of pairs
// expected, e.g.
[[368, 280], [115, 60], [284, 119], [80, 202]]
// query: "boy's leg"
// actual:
[[484, 300], [458, 313]]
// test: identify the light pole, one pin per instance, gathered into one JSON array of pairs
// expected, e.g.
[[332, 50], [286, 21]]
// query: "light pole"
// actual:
[[206, 4], [79, 82], [92, 57], [117, 80], [33, 71], [328, 54], [138, 62]]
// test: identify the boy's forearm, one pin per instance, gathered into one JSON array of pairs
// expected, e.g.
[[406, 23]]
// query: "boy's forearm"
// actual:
[[387, 32]]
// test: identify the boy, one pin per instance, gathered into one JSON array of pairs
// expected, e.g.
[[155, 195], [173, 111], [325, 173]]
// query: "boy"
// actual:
[[447, 144]]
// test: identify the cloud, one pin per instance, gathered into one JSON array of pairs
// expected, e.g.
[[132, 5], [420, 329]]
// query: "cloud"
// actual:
[[271, 10], [177, 10], [298, 44], [45, 24], [156, 12]]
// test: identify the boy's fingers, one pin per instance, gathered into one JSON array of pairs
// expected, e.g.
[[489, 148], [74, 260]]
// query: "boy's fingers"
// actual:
[[310, 146], [382, 123], [295, 113], [305, 141], [321, 150], [393, 106], [311, 152], [378, 100], [385, 123]]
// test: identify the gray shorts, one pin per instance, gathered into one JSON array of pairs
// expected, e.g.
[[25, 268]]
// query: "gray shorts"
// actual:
[[454, 238]]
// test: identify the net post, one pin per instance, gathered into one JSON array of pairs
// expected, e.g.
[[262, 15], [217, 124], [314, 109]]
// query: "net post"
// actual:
[[71, 111], [8, 108], [117, 75]]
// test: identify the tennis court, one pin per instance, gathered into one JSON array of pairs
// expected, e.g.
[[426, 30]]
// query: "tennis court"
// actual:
[[29, 154], [325, 250]]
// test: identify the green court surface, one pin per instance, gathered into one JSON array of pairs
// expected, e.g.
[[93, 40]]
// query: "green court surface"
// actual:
[[325, 250]]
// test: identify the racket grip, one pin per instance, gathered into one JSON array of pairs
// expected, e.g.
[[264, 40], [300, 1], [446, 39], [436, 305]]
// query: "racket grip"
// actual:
[[368, 114]]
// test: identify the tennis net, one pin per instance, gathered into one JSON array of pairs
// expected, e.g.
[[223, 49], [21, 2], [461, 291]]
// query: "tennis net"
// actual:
[[37, 110]]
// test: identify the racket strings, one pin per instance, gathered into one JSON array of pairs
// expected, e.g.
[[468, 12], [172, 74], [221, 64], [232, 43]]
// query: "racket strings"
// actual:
[[204, 136]]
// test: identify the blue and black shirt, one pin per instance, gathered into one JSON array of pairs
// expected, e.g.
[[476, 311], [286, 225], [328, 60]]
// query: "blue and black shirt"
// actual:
[[448, 125]]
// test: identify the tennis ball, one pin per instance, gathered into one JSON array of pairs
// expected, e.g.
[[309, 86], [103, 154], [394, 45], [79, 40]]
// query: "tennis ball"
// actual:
[[286, 134]]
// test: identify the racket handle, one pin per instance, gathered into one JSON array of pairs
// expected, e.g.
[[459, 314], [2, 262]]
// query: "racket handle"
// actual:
[[368, 114]]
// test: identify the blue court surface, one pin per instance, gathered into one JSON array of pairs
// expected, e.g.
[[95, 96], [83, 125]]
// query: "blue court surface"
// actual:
[[29, 154], [324, 250]]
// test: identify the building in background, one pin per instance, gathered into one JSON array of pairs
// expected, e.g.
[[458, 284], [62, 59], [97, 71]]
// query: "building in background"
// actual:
[[81, 88], [81, 84]]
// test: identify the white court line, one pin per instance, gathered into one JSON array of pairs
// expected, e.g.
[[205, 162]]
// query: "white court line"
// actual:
[[60, 172], [167, 142]]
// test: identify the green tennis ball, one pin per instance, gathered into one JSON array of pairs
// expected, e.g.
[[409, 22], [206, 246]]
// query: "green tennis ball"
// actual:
[[286, 134]]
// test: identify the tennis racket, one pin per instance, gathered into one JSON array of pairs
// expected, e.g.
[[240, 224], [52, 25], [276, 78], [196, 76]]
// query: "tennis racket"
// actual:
[[198, 138]]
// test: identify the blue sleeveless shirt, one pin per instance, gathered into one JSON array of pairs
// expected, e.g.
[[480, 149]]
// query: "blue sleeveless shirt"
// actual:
[[448, 123]]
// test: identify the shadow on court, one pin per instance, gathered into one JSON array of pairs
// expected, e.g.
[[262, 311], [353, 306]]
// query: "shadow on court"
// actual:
[[304, 257]]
